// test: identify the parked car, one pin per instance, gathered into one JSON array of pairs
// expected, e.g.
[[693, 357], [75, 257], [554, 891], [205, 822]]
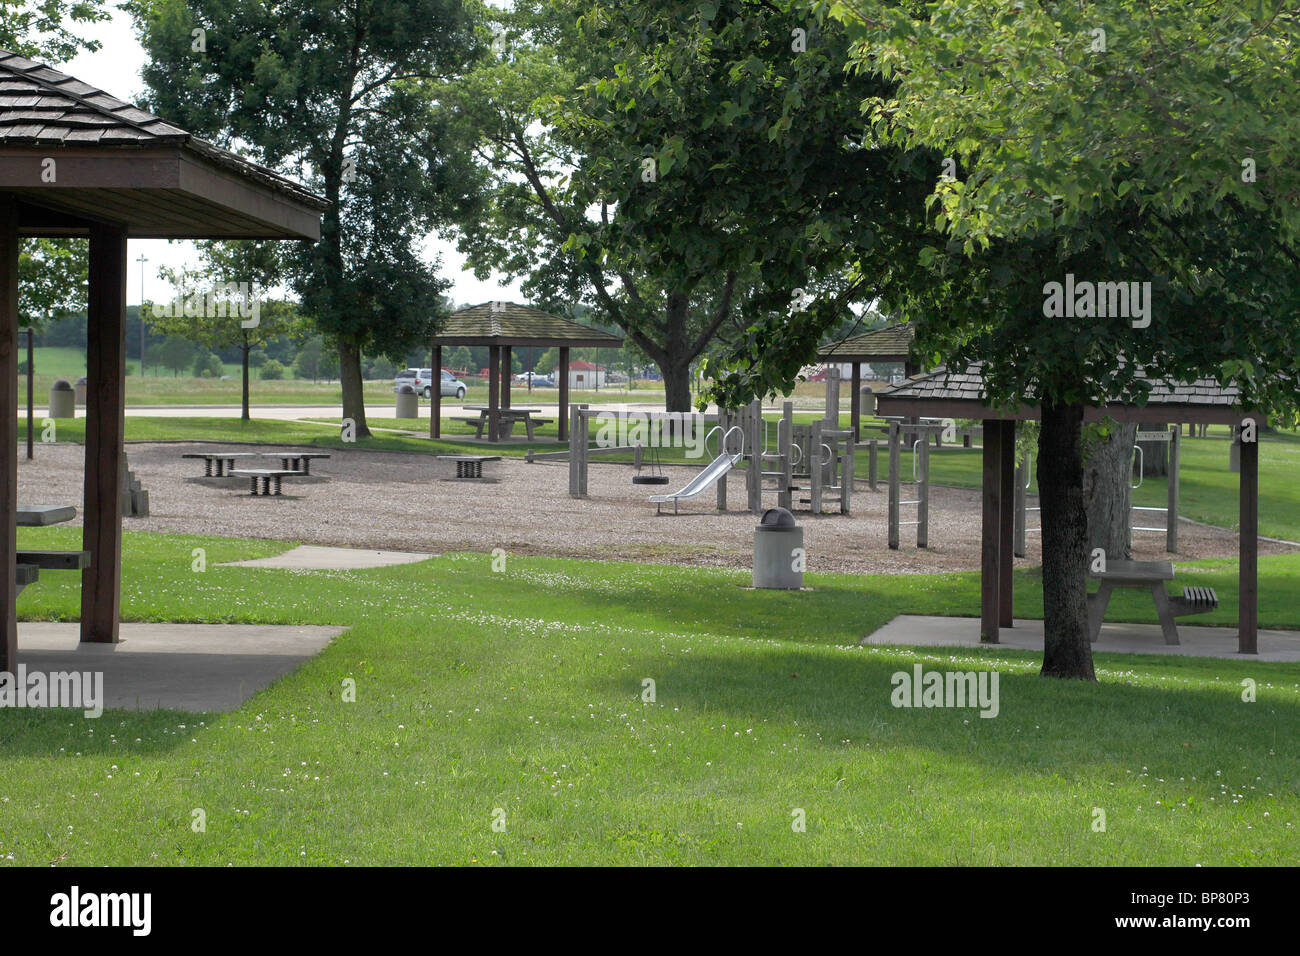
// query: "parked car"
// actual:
[[422, 378], [538, 380], [405, 377]]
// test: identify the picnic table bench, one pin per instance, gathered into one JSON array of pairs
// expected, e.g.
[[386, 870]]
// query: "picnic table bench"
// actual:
[[224, 462], [30, 563], [267, 476], [507, 416], [299, 461], [469, 467], [1153, 576]]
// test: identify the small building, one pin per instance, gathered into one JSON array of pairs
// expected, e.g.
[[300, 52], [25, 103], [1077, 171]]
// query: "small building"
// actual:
[[585, 375]]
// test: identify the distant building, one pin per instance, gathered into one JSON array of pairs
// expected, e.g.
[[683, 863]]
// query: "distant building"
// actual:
[[585, 375]]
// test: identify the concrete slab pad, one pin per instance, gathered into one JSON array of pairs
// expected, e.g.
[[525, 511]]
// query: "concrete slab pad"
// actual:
[[193, 667], [310, 557], [922, 631]]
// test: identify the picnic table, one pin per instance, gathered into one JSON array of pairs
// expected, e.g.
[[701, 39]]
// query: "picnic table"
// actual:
[[1153, 576], [507, 416], [295, 460], [30, 563], [266, 476], [224, 462]]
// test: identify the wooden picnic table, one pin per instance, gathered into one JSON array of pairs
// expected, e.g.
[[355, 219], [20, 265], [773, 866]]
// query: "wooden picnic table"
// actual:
[[1153, 576], [38, 516], [223, 461], [508, 417], [295, 460]]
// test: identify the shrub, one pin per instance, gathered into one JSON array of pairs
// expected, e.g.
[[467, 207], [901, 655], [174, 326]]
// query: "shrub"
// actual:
[[272, 370]]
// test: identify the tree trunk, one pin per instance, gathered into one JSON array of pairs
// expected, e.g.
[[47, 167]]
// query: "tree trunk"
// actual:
[[244, 350], [677, 388], [1066, 650], [1107, 494], [354, 404]]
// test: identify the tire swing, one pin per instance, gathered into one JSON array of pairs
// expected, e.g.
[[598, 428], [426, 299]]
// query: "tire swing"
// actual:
[[655, 470]]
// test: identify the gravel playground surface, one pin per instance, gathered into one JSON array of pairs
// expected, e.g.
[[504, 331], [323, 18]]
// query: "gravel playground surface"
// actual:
[[397, 501]]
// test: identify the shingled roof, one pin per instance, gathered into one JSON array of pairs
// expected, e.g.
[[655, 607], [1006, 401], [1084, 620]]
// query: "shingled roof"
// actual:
[[508, 323], [893, 343], [44, 109], [945, 393]]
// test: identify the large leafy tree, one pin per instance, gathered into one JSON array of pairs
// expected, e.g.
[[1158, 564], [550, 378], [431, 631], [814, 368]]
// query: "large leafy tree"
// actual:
[[686, 168], [52, 279], [347, 93], [1120, 141]]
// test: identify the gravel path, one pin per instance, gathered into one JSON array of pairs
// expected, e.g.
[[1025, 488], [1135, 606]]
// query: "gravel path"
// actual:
[[396, 501]]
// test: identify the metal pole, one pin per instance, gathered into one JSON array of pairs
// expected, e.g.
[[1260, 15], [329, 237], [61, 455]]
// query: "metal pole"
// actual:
[[142, 260]]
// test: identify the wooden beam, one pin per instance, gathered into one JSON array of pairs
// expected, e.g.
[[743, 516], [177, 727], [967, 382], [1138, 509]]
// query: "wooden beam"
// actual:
[[1248, 551], [1006, 523], [435, 395], [105, 427], [494, 406], [9, 244], [855, 403], [563, 416], [991, 533], [507, 371]]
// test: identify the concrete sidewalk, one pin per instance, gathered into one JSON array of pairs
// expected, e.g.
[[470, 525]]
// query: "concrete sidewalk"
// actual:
[[193, 667], [918, 631]]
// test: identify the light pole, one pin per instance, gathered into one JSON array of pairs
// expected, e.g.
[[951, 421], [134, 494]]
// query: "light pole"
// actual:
[[142, 260]]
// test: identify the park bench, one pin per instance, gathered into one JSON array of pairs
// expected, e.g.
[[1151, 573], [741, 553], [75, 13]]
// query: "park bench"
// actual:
[[267, 476], [295, 460], [31, 563], [223, 462], [1153, 576], [468, 467], [25, 574]]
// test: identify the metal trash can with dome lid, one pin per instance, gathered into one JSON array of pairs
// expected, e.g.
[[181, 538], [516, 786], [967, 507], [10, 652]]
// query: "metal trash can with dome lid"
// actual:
[[779, 557]]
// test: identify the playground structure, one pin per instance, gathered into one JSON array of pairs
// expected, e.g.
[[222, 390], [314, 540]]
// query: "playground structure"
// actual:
[[1024, 478], [799, 464]]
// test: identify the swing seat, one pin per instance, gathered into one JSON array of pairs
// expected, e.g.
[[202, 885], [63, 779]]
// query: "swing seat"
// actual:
[[649, 479]]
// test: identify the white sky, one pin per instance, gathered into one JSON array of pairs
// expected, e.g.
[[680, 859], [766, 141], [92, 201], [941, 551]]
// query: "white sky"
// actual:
[[115, 69]]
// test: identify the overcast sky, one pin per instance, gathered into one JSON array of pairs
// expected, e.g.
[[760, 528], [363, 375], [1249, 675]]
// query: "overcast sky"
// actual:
[[115, 68]]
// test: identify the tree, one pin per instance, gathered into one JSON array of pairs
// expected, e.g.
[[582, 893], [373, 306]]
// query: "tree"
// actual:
[[175, 353], [352, 93], [232, 281], [308, 362], [1128, 153], [46, 29], [634, 148], [52, 279]]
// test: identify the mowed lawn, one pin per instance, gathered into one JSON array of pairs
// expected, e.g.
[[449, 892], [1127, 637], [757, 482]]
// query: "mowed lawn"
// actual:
[[517, 695]]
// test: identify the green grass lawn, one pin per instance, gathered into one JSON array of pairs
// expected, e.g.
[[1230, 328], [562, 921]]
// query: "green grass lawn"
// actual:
[[521, 690]]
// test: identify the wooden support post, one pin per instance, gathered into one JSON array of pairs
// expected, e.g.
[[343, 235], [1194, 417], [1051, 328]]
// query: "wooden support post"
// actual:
[[725, 421], [575, 460], [9, 246], [1248, 551], [990, 573], [584, 443], [1018, 548], [847, 467], [785, 441], [816, 470], [105, 428], [507, 373], [494, 396], [923, 494], [563, 417], [1006, 529], [872, 455], [755, 443], [31, 387], [435, 395], [855, 401], [894, 437], [1171, 516]]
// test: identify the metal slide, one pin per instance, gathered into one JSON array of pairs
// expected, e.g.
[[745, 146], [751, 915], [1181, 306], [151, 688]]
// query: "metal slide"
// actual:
[[706, 479]]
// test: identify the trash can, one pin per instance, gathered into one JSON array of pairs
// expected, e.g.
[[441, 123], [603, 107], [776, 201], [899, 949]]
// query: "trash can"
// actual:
[[408, 403], [778, 551], [62, 400], [79, 389]]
